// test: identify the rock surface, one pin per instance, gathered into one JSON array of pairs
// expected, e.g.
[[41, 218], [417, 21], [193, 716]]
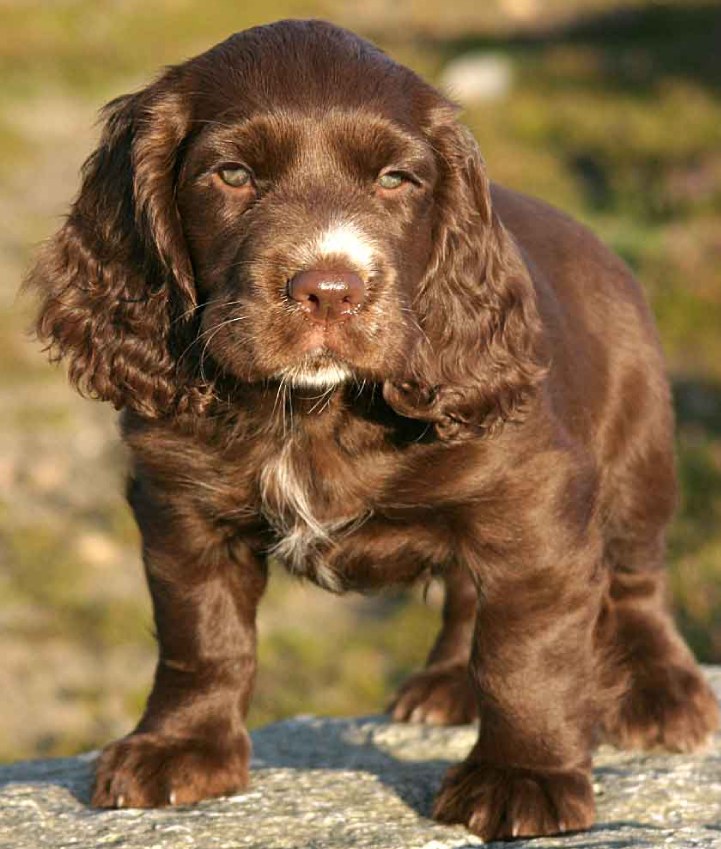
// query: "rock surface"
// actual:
[[332, 783]]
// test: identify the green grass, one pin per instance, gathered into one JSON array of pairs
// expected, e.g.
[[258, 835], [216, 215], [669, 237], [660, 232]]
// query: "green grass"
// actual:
[[85, 46], [383, 640], [45, 571]]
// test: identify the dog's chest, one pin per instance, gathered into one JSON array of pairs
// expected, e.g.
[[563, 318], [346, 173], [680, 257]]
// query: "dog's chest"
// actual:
[[309, 511]]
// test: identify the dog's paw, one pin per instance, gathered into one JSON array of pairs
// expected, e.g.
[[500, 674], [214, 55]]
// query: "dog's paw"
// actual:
[[436, 696], [505, 803], [152, 771], [667, 707]]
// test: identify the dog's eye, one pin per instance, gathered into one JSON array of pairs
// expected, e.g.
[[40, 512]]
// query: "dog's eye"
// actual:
[[235, 176], [392, 180]]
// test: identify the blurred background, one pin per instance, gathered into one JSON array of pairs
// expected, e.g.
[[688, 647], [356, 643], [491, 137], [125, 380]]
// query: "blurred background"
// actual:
[[610, 110]]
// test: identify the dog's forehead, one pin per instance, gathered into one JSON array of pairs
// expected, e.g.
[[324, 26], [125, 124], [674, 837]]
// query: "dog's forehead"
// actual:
[[304, 65]]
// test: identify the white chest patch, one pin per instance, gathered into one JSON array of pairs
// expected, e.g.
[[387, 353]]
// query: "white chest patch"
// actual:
[[302, 538]]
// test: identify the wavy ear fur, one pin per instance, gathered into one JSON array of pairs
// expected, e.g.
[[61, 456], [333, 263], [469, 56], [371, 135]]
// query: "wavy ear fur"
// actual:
[[115, 281], [476, 306]]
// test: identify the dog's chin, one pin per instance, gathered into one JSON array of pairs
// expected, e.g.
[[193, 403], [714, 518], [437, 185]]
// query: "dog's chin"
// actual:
[[321, 374]]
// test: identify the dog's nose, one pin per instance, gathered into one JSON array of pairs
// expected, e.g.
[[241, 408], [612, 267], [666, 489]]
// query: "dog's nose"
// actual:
[[327, 296]]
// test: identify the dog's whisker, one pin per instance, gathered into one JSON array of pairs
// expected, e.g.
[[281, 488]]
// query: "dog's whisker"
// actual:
[[323, 397], [213, 331], [210, 330]]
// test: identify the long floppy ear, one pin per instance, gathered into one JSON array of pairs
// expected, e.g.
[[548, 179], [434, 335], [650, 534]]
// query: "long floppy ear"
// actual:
[[484, 355], [115, 281]]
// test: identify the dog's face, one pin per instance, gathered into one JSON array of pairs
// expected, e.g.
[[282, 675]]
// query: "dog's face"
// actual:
[[308, 218], [292, 206]]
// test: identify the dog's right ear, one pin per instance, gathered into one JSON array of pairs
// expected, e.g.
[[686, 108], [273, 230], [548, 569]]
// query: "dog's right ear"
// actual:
[[118, 297]]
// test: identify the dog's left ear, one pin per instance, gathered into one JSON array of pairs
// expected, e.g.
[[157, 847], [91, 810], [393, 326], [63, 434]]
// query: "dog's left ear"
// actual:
[[476, 305]]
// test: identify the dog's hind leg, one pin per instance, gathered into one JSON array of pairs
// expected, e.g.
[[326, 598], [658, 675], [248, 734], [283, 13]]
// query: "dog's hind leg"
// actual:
[[442, 694], [668, 703]]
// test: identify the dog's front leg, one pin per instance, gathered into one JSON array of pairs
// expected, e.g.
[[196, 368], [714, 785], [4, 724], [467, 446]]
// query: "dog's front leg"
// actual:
[[191, 742], [534, 667]]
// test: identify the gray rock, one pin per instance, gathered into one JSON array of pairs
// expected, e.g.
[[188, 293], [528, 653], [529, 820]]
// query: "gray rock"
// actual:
[[331, 783]]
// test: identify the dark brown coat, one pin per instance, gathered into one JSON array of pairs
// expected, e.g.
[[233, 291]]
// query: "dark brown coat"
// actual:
[[334, 342]]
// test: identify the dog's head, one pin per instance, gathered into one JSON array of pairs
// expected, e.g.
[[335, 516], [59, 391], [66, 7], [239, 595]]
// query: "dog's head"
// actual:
[[291, 206]]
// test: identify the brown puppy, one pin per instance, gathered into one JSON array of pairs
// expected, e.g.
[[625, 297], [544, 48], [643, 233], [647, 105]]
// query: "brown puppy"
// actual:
[[335, 343]]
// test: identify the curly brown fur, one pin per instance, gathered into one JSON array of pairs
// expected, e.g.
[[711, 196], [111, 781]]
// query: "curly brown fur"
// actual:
[[117, 287], [336, 344]]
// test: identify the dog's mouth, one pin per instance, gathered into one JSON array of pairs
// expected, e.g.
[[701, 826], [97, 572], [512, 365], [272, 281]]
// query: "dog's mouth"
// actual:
[[325, 341]]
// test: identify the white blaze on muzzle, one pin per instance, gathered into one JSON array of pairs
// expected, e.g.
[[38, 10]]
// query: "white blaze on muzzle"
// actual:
[[339, 241]]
